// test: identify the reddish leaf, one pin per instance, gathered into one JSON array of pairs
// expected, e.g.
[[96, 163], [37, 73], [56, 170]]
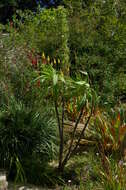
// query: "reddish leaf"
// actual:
[[118, 117], [34, 61], [112, 130], [38, 83]]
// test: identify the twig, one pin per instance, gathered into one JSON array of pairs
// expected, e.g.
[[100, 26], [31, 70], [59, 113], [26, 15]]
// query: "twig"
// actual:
[[73, 135], [82, 132], [61, 136]]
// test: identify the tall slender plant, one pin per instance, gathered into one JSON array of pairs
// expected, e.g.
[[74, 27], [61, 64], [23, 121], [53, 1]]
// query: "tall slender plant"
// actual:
[[61, 89]]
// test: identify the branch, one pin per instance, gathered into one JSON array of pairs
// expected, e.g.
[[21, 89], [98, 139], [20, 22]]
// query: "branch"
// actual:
[[82, 132], [73, 135], [63, 106], [61, 135], [57, 116]]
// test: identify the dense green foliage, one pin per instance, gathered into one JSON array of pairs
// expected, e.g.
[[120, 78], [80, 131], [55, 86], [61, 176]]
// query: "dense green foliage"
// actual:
[[9, 7], [95, 34], [27, 129], [47, 31], [63, 90], [97, 44], [64, 67], [26, 135]]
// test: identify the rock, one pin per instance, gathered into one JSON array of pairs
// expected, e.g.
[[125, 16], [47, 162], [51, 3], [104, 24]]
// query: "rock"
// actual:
[[3, 181]]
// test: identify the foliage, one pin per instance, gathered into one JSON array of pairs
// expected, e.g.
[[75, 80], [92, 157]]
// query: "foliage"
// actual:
[[9, 7], [97, 45], [101, 53], [112, 174], [54, 58], [16, 73], [62, 88], [45, 31], [82, 172], [111, 129], [25, 134], [25, 4]]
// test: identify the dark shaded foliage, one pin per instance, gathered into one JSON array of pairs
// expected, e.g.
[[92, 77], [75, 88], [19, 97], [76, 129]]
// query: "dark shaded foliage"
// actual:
[[9, 7], [24, 135]]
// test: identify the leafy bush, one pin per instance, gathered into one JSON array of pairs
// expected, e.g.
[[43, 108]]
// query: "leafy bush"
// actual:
[[25, 135], [28, 134], [9, 7], [61, 88], [17, 73], [97, 45], [45, 31], [111, 129]]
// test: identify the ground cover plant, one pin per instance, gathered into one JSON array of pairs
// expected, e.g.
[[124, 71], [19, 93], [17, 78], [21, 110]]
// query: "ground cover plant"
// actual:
[[62, 95], [27, 135]]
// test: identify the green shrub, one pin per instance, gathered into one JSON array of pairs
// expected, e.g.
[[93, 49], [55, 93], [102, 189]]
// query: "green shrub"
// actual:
[[9, 7], [17, 74], [46, 31], [27, 131], [25, 135], [97, 44]]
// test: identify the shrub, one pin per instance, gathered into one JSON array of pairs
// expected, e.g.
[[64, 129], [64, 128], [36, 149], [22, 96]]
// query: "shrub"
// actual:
[[46, 31], [111, 129], [17, 73], [9, 7], [97, 45], [61, 89], [25, 135], [28, 135]]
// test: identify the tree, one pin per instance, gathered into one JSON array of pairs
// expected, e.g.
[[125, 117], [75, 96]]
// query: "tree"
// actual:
[[97, 44], [9, 7], [61, 89], [47, 31]]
